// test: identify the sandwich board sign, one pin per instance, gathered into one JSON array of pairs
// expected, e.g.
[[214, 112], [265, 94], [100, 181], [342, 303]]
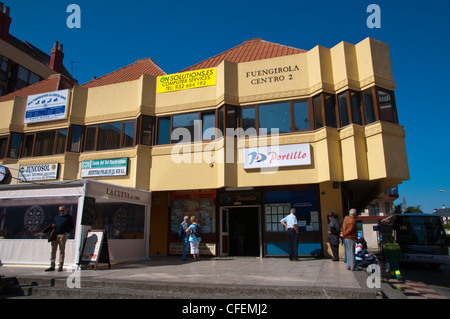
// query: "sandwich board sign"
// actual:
[[95, 249]]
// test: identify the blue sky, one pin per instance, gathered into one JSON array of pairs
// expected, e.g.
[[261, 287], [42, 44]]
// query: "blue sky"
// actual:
[[177, 34]]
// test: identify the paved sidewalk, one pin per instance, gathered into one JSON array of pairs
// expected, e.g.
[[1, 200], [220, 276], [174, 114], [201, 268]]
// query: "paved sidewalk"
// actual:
[[239, 271]]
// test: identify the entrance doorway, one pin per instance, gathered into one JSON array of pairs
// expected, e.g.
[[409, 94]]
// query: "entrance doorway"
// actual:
[[241, 231]]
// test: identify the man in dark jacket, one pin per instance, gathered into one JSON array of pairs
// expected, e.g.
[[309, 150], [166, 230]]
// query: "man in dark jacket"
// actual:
[[63, 225], [333, 235]]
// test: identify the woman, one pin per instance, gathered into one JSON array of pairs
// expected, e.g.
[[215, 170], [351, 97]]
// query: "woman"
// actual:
[[193, 239], [333, 235]]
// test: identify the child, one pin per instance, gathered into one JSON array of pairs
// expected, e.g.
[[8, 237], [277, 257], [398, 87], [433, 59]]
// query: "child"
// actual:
[[392, 254]]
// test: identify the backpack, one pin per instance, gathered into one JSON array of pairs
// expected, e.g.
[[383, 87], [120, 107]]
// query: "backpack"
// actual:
[[197, 230], [180, 232]]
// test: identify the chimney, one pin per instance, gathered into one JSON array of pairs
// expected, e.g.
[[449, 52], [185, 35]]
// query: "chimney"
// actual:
[[56, 57], [5, 22]]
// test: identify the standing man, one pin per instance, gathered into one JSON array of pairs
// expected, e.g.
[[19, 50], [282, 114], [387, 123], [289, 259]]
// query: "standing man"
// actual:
[[350, 233], [290, 222], [63, 225], [185, 237]]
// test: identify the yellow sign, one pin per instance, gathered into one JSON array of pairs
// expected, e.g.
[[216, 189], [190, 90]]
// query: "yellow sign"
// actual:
[[186, 80]]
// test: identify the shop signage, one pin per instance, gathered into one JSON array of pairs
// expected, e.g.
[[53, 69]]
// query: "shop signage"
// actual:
[[104, 167], [46, 107], [42, 172], [186, 80], [240, 198], [193, 194], [277, 156]]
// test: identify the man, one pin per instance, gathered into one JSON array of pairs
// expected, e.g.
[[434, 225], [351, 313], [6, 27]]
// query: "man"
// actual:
[[63, 225], [185, 237], [350, 233], [333, 235], [290, 222]]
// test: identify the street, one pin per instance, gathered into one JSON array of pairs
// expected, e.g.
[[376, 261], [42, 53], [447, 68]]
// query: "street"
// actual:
[[422, 282]]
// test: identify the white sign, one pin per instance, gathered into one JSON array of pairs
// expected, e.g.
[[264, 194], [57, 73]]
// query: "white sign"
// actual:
[[40, 172], [104, 167], [277, 156], [48, 106]]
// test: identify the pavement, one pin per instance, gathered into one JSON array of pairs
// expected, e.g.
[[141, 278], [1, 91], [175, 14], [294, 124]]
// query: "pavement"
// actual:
[[209, 278]]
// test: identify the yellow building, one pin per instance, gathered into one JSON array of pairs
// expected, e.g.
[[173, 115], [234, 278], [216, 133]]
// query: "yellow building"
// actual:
[[236, 140]]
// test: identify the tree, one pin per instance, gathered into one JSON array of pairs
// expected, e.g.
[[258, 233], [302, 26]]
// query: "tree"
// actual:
[[412, 209]]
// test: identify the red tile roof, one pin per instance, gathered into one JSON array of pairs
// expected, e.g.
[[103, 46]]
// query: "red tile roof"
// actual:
[[128, 73], [52, 83], [250, 50]]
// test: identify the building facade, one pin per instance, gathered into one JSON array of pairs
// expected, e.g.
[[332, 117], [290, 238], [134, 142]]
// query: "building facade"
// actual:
[[236, 140]]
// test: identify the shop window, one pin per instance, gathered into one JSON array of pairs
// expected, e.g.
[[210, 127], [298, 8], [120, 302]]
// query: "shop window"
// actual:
[[386, 105], [369, 106], [274, 117], [318, 111], [164, 130], [202, 209], [301, 116], [27, 218], [75, 144], [14, 147], [121, 220]]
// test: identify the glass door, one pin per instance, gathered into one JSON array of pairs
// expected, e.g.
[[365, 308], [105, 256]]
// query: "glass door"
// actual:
[[224, 231]]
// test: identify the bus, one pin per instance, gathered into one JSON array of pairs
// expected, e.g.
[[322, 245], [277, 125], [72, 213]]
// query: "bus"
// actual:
[[421, 237]]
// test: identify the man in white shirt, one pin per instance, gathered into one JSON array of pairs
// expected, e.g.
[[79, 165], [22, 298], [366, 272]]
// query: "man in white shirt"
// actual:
[[290, 222]]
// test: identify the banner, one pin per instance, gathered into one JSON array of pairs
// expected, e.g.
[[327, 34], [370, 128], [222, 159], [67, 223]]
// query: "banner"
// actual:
[[186, 80], [42, 172], [46, 107]]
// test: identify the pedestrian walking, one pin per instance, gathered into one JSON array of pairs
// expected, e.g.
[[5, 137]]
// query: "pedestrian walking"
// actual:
[[392, 254]]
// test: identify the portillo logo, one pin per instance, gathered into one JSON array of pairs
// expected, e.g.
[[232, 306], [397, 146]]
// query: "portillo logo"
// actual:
[[277, 156]]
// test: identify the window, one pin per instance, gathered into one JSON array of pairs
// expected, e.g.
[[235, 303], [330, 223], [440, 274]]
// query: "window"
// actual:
[[343, 109], [386, 105], [164, 130], [369, 107], [185, 123], [28, 145], [318, 111], [128, 134], [274, 116], [231, 119], [301, 117], [75, 145], [61, 138], [355, 108], [44, 143], [25, 77], [3, 146], [248, 118], [14, 148], [146, 130], [330, 110], [3, 68], [208, 126], [109, 136], [374, 209]]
